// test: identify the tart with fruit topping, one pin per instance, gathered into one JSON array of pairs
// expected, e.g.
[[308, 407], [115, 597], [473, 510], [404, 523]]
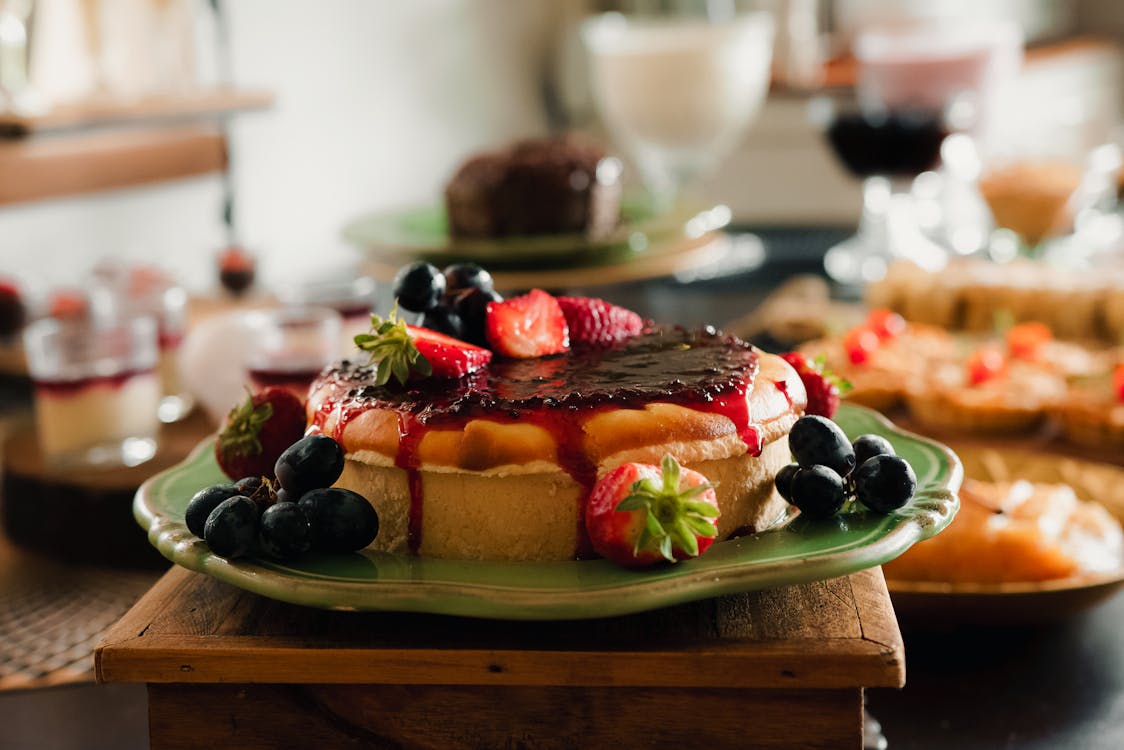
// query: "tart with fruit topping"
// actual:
[[882, 357], [1092, 412], [991, 392], [492, 453]]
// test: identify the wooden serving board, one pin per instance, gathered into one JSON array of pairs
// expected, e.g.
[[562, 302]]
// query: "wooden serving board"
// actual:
[[770, 669]]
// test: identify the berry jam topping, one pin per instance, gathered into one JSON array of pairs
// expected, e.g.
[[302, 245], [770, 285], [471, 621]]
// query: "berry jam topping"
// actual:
[[673, 365]]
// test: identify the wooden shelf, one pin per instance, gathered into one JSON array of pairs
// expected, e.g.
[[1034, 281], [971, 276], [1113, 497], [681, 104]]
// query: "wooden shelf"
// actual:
[[71, 163], [202, 104]]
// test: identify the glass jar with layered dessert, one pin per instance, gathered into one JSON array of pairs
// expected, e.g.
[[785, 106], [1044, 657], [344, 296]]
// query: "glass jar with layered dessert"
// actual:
[[288, 347], [97, 390]]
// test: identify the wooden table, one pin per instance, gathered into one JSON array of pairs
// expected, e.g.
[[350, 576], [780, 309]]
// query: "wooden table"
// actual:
[[783, 668]]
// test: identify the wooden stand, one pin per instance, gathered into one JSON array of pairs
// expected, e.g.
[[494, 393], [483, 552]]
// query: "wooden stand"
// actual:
[[773, 669]]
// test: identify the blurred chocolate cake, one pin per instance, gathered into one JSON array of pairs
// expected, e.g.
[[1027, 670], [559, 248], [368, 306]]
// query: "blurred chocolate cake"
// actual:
[[559, 185]]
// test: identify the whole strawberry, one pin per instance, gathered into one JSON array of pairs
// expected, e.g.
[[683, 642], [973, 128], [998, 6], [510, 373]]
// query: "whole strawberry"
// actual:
[[639, 515], [257, 432], [823, 387], [596, 322]]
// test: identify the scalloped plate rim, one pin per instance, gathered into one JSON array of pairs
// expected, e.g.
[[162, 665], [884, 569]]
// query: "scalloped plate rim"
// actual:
[[697, 579]]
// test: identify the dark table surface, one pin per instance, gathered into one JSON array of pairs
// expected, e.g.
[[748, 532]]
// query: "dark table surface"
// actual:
[[1059, 686]]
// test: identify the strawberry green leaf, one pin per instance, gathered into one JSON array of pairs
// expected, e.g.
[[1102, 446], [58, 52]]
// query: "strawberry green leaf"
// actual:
[[390, 344]]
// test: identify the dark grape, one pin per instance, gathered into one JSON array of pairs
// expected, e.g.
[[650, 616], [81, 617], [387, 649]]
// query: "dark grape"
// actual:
[[312, 462], [818, 491], [444, 320], [784, 480], [869, 446], [419, 287], [285, 531], [467, 276], [232, 528], [817, 440], [472, 308], [885, 483], [205, 501], [341, 520]]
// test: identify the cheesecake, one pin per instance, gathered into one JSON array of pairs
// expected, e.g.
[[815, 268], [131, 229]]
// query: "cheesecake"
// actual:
[[497, 465]]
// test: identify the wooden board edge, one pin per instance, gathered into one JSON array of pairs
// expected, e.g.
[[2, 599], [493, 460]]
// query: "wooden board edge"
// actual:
[[837, 663]]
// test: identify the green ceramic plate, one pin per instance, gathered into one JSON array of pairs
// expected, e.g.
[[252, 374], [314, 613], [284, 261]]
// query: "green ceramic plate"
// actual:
[[422, 232], [797, 552]]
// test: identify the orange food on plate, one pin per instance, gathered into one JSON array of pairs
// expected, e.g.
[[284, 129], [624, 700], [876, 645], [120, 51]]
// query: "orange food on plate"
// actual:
[[1015, 532]]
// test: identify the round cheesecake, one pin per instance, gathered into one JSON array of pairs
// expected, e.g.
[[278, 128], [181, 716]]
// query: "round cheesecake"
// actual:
[[497, 465]]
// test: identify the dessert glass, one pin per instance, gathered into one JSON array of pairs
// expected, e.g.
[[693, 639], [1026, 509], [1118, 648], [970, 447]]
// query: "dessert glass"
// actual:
[[288, 347], [677, 92], [96, 390], [353, 298]]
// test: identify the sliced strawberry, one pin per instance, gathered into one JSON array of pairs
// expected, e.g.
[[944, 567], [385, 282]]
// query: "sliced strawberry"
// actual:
[[596, 322], [257, 432], [823, 387], [529, 326], [986, 363], [886, 324], [639, 515], [448, 357], [1118, 381]]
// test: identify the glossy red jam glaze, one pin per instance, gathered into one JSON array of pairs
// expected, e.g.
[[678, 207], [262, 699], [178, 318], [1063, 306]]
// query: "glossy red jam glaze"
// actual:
[[702, 369], [64, 388]]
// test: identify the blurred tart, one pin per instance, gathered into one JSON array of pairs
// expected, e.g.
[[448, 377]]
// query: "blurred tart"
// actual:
[[497, 465], [1092, 412], [1016, 531], [883, 357]]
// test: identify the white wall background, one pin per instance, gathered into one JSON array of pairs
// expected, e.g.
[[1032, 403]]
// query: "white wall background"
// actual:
[[374, 103]]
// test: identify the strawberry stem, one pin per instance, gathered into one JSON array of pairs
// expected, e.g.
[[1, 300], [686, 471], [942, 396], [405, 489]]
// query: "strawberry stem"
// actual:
[[244, 422], [390, 345], [674, 517]]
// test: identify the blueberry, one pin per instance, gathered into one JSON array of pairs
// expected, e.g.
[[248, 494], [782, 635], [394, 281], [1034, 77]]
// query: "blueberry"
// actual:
[[817, 440], [204, 501], [419, 287], [817, 491], [869, 446], [285, 531], [472, 308], [445, 321], [341, 520], [467, 276], [312, 462], [885, 483], [232, 527], [784, 480]]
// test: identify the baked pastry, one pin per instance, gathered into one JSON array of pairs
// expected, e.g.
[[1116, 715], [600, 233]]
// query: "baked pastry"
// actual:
[[1016, 531], [988, 394], [1092, 412], [882, 362], [496, 465], [971, 294], [536, 187]]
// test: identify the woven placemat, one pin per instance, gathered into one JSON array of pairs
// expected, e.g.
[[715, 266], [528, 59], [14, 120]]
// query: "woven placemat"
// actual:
[[52, 615]]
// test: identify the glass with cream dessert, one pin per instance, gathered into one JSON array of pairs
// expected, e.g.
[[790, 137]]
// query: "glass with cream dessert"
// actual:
[[96, 390], [678, 91], [288, 347], [148, 291]]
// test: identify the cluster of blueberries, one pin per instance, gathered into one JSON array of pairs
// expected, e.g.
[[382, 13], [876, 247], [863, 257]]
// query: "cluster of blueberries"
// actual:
[[301, 512], [829, 468]]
